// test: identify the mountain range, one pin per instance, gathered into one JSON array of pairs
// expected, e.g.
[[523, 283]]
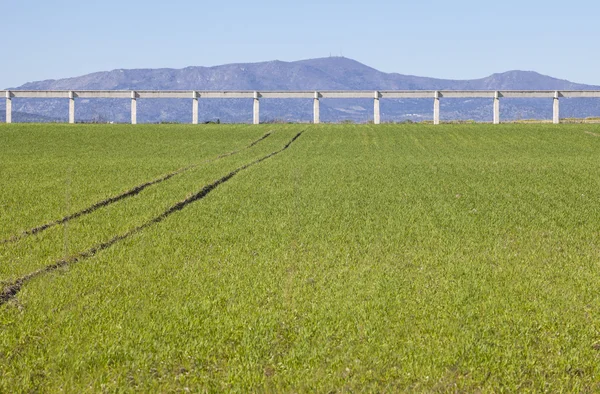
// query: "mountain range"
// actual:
[[332, 73]]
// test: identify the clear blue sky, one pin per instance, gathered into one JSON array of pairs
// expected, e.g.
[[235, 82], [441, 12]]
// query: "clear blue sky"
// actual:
[[459, 39]]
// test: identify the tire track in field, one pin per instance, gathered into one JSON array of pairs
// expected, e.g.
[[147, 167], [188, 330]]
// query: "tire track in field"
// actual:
[[129, 193], [12, 289]]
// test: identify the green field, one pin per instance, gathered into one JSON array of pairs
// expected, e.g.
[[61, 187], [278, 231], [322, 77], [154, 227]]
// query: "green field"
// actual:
[[351, 258]]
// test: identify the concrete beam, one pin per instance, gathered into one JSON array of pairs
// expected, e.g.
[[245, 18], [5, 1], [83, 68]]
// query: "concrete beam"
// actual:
[[527, 94], [467, 94], [556, 109], [256, 111], [166, 94], [227, 95], [8, 107], [287, 95], [579, 94], [376, 108], [40, 94], [405, 94], [497, 108], [436, 108], [133, 108], [195, 108], [366, 94], [92, 94], [316, 109], [394, 94]]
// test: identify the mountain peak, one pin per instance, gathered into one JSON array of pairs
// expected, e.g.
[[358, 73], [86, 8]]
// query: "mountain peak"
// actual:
[[518, 72], [339, 62], [529, 80]]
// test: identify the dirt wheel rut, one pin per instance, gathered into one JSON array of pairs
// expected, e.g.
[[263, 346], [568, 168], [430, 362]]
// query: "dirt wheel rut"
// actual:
[[11, 290], [129, 193]]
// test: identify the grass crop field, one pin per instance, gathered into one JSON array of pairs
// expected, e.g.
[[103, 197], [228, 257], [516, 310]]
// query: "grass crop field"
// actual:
[[303, 258]]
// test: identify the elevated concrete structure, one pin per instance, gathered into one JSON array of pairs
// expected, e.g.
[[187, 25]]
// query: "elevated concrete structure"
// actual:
[[316, 96]]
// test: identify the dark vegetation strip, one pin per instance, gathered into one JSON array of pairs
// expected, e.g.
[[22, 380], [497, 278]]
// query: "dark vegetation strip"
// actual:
[[12, 289], [129, 193]]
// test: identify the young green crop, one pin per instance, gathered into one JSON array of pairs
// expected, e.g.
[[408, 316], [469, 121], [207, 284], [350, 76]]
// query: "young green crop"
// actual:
[[51, 170], [362, 258]]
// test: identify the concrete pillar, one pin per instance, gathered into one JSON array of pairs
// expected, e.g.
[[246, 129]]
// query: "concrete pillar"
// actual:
[[195, 107], [436, 108], [256, 112], [71, 108], [555, 110], [133, 108], [8, 107], [376, 108], [316, 109], [496, 108]]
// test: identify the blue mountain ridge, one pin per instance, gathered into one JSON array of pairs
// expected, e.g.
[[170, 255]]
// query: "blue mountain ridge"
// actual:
[[332, 73]]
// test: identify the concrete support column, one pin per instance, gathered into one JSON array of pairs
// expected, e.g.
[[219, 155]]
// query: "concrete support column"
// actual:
[[71, 108], [556, 110], [376, 108], [436, 108], [496, 108], [316, 109], [133, 108], [195, 107], [256, 112], [8, 107]]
